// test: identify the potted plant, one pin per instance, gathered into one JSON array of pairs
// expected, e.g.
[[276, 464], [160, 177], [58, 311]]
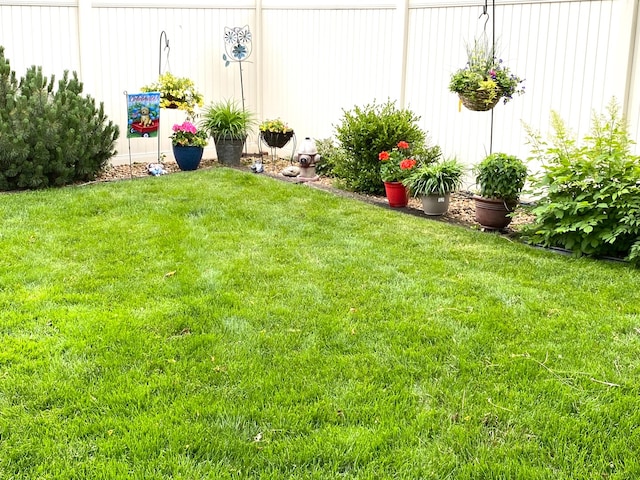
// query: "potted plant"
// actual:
[[434, 183], [395, 167], [501, 178], [275, 133], [188, 144], [485, 79], [176, 92], [229, 125]]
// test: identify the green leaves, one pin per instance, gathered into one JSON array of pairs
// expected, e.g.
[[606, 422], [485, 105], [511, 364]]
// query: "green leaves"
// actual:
[[591, 202], [49, 136], [226, 119], [501, 176], [366, 131], [439, 178]]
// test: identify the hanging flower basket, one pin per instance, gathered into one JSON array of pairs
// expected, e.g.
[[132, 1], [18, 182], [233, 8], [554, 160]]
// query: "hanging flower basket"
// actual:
[[276, 139], [485, 79], [176, 92], [480, 100], [172, 102]]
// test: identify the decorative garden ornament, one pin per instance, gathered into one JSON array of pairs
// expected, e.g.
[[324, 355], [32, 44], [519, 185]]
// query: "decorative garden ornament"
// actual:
[[237, 44]]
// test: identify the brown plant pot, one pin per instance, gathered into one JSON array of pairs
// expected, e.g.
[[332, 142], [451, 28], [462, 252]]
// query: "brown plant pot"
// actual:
[[479, 100], [493, 212]]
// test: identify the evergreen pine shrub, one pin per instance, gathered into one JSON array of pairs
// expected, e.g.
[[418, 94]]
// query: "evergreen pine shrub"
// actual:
[[366, 131], [50, 136]]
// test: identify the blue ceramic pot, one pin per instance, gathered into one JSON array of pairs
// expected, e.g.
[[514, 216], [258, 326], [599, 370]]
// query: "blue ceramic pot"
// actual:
[[187, 158]]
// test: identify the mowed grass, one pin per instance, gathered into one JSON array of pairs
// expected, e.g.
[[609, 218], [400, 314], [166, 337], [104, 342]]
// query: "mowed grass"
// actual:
[[218, 324]]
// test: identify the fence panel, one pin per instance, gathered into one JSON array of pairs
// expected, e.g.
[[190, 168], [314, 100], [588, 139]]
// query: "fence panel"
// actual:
[[562, 49], [42, 35], [311, 61]]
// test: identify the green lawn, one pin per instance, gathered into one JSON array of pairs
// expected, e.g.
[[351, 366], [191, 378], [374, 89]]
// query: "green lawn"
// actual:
[[218, 324]]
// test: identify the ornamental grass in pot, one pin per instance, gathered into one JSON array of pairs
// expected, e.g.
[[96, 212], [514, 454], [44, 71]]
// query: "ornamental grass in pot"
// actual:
[[228, 124], [434, 183], [501, 178]]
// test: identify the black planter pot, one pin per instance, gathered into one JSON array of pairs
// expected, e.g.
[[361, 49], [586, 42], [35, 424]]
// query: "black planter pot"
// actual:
[[229, 150], [276, 139], [187, 158]]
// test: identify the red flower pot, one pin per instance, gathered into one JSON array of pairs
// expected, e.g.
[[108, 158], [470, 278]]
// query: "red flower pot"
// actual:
[[397, 194]]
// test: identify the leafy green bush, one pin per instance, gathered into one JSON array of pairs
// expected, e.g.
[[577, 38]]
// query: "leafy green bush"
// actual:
[[47, 137], [329, 154], [366, 131], [501, 176], [591, 202]]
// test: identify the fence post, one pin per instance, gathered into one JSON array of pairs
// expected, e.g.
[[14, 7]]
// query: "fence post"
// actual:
[[402, 44], [85, 45]]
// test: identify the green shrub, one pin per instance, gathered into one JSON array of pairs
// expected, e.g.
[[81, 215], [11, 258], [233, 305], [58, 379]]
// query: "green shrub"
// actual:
[[329, 153], [501, 176], [366, 131], [591, 202], [47, 137]]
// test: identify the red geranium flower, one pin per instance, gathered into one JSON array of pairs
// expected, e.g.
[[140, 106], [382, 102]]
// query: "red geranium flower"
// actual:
[[407, 164], [397, 164]]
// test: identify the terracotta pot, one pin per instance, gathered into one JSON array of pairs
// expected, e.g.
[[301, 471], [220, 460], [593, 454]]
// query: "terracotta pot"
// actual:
[[493, 212], [397, 194]]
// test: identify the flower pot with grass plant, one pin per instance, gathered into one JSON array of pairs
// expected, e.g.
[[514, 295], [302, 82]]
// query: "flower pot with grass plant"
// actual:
[[176, 92], [395, 167], [275, 133], [228, 124], [434, 183], [485, 79], [501, 178], [188, 144]]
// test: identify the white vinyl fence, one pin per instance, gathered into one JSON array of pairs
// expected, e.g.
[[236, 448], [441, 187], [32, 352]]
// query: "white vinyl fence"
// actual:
[[313, 59]]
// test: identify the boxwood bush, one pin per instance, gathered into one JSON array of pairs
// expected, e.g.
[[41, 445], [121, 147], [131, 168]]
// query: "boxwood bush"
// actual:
[[591, 201], [49, 136], [363, 133]]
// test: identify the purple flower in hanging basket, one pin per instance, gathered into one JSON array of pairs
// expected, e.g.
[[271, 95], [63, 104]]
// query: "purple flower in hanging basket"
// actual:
[[485, 78]]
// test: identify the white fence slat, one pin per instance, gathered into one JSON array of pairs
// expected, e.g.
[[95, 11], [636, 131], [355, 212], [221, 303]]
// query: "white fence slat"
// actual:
[[319, 58]]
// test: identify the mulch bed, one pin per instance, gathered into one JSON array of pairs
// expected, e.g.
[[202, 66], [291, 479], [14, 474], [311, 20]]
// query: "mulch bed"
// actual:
[[461, 208]]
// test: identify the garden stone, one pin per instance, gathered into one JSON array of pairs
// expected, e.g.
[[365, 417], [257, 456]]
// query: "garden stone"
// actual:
[[291, 171]]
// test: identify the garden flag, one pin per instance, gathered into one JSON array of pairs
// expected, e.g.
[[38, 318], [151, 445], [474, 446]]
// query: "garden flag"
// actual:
[[143, 114]]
